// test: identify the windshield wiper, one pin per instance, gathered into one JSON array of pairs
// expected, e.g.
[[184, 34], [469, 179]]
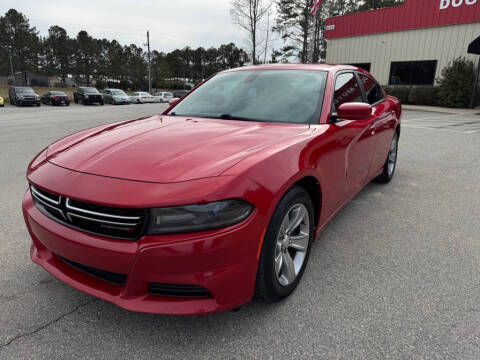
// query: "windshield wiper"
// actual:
[[233, 117]]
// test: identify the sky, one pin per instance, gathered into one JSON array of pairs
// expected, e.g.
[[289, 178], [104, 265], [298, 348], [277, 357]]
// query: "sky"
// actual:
[[173, 24]]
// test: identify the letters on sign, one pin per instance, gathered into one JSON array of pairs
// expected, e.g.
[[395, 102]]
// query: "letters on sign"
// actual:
[[445, 4]]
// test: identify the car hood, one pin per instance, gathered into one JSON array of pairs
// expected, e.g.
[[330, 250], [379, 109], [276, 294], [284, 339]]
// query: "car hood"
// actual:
[[166, 149]]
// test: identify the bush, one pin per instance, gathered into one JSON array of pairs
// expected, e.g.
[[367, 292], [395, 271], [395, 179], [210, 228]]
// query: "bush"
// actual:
[[456, 83], [423, 95], [400, 92]]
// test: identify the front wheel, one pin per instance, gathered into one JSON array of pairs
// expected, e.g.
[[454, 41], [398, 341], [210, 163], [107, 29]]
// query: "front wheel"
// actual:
[[286, 246], [391, 162]]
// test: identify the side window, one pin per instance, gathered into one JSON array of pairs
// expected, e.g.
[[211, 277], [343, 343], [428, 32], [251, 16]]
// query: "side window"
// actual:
[[346, 90], [373, 91]]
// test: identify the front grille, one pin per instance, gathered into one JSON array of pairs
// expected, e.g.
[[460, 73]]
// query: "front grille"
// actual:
[[117, 279], [124, 224], [173, 290]]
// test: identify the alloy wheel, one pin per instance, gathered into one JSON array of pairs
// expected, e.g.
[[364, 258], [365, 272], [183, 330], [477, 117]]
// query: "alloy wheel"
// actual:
[[292, 244], [392, 155]]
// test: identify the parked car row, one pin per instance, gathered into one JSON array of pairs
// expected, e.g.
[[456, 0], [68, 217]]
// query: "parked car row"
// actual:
[[23, 95]]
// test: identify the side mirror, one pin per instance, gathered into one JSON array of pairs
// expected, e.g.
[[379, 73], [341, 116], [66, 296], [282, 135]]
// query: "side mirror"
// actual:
[[173, 101], [354, 111]]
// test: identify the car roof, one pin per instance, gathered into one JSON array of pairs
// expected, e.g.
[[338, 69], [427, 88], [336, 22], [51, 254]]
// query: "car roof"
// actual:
[[315, 67]]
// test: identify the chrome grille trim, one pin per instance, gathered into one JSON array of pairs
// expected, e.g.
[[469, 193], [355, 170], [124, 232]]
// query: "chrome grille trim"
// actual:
[[73, 208], [38, 195], [116, 223], [70, 215], [60, 212]]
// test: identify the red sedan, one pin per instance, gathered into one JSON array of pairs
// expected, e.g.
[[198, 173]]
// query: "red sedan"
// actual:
[[221, 196]]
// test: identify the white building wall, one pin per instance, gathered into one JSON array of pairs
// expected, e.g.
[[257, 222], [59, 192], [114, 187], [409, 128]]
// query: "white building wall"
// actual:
[[438, 43]]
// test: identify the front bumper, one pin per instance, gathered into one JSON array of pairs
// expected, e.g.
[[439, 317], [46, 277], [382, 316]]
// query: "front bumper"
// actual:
[[28, 102], [222, 261]]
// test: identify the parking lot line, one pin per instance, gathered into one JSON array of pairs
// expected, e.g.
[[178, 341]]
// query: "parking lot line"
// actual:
[[430, 117], [431, 128]]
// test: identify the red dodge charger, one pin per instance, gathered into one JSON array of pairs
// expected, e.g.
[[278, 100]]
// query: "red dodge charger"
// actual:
[[220, 197]]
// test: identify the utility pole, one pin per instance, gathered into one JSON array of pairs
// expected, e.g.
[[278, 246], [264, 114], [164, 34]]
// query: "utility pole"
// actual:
[[149, 64]]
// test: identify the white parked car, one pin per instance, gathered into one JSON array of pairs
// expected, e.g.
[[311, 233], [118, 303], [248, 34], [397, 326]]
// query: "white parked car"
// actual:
[[163, 97], [141, 97]]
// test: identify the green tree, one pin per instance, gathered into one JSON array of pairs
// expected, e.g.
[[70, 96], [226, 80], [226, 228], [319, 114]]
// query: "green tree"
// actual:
[[86, 57], [21, 40], [58, 49], [134, 58], [293, 23], [456, 83]]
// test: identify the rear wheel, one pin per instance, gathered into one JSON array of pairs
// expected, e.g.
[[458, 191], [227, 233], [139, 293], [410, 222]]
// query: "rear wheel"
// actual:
[[286, 246], [391, 162]]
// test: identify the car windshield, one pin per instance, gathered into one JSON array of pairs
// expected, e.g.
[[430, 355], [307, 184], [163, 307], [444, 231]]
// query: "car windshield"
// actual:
[[284, 96], [58, 93], [90, 91], [118, 92], [25, 91]]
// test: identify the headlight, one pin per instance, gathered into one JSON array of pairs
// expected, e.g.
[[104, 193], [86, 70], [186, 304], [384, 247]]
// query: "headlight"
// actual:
[[192, 218], [86, 96], [20, 97]]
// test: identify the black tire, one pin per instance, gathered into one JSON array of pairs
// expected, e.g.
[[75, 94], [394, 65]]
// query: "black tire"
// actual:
[[39, 104], [75, 99], [102, 103], [387, 174], [267, 285], [138, 101]]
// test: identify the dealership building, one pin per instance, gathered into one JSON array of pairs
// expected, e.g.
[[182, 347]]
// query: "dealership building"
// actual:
[[406, 44]]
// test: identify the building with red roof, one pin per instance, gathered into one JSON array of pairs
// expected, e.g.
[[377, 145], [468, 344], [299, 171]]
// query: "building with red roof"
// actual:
[[407, 44]]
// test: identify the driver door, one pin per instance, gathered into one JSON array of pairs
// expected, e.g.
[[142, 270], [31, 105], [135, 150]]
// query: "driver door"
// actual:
[[354, 137]]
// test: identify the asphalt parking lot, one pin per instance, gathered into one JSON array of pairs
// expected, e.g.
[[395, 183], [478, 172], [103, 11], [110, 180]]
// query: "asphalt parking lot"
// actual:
[[395, 275]]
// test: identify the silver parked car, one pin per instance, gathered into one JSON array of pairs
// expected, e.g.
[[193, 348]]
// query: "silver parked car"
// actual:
[[116, 97], [163, 97]]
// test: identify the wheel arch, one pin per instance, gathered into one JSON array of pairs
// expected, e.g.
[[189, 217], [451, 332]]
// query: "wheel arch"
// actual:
[[312, 186]]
